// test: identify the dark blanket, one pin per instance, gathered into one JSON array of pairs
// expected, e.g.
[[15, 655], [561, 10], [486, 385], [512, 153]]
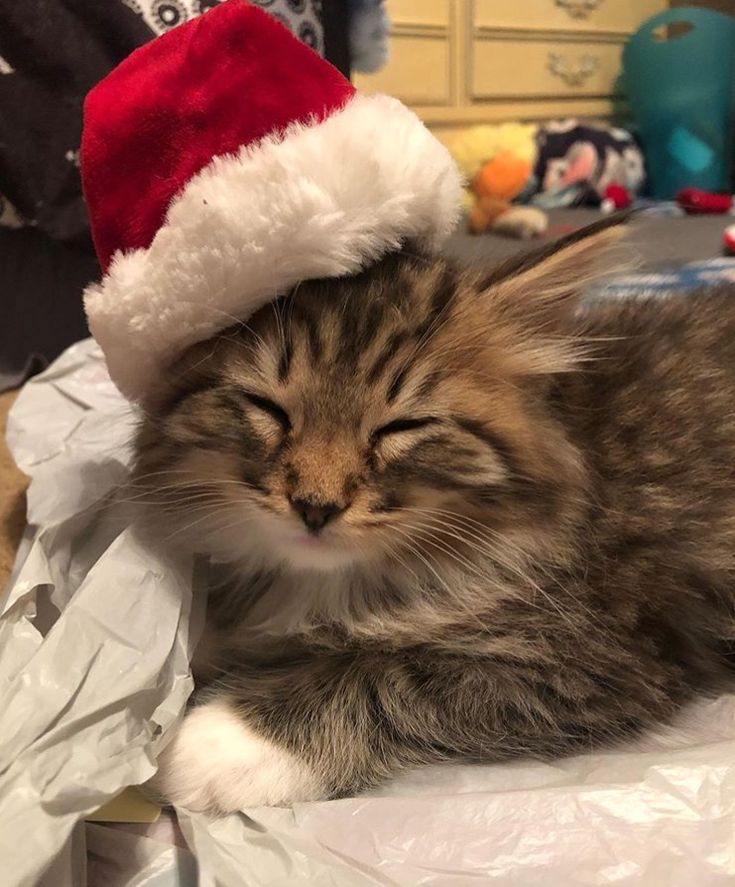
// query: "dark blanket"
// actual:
[[56, 50], [52, 52]]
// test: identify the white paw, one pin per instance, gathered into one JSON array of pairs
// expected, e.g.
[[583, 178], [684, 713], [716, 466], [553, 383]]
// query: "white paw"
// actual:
[[216, 764], [523, 222]]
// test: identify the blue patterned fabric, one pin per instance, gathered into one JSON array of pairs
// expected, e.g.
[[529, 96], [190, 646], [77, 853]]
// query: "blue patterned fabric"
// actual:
[[680, 278]]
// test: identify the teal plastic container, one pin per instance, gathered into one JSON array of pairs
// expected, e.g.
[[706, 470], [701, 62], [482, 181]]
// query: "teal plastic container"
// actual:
[[681, 92]]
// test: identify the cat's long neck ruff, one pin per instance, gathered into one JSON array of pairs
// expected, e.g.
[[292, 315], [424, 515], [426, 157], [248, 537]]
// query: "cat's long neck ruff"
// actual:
[[390, 603]]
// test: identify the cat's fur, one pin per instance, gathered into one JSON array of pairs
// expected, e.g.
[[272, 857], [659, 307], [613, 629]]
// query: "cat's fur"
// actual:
[[534, 556]]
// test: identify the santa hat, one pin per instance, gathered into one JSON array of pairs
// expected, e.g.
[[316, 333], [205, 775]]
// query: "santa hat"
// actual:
[[223, 163]]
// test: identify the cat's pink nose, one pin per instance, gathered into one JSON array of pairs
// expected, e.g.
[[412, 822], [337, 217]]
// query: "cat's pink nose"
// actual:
[[316, 516]]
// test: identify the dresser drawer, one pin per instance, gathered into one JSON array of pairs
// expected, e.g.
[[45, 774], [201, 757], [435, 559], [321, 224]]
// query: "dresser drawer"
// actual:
[[434, 13], [623, 16], [417, 73], [539, 68]]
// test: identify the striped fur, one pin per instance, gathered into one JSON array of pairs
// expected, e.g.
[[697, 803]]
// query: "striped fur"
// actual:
[[521, 558]]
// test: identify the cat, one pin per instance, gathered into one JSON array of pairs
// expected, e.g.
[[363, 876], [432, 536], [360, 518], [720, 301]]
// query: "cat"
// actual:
[[460, 515]]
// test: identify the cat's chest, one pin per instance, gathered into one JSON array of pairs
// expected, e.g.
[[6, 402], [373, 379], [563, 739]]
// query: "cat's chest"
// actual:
[[278, 603]]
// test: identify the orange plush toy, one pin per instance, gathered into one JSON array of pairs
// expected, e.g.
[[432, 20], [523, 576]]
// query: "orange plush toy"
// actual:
[[499, 181]]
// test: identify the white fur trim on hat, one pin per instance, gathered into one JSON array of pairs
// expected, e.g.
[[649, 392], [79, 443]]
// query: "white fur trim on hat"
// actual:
[[321, 200]]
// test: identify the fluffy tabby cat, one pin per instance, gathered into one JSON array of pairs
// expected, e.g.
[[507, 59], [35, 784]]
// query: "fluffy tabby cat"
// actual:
[[463, 520]]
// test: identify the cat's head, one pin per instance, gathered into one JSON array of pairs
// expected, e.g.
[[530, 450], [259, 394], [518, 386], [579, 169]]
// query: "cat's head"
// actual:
[[400, 417]]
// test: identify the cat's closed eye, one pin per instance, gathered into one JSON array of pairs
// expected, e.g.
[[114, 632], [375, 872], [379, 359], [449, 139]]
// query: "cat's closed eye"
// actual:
[[266, 405], [400, 425]]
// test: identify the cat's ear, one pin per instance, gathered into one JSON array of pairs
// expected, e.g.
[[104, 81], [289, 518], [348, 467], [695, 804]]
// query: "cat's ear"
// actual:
[[544, 288]]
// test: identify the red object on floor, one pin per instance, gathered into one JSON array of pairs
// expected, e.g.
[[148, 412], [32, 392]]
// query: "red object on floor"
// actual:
[[696, 202], [616, 197], [729, 240]]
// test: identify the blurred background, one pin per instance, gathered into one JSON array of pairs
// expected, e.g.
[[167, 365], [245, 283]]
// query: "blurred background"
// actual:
[[556, 111], [477, 61]]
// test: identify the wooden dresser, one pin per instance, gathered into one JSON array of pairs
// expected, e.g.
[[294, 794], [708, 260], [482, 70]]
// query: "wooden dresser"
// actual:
[[470, 61]]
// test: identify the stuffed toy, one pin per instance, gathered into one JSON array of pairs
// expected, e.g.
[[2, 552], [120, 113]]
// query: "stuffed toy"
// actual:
[[472, 146], [577, 164], [497, 161], [516, 171], [499, 182]]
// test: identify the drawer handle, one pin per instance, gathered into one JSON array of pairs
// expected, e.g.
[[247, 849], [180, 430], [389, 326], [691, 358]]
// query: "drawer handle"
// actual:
[[578, 8], [571, 74]]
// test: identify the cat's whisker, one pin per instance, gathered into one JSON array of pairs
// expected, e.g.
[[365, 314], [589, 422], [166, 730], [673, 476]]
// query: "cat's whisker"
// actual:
[[521, 574], [485, 550], [243, 521], [393, 553], [424, 558], [194, 486], [193, 479], [170, 501], [279, 324], [482, 536], [200, 305], [249, 348], [209, 514], [492, 556], [430, 536], [478, 530]]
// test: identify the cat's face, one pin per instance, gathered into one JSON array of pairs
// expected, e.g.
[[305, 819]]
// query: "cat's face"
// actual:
[[398, 417]]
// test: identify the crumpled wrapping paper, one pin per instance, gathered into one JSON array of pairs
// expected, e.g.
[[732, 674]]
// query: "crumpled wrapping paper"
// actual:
[[95, 635]]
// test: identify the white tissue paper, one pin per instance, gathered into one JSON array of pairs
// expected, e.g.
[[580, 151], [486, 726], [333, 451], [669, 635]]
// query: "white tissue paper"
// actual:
[[96, 632]]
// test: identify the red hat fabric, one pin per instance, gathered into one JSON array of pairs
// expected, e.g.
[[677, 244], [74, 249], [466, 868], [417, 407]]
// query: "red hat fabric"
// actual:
[[224, 162], [181, 109]]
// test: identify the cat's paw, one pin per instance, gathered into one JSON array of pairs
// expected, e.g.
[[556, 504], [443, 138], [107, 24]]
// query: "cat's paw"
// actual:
[[216, 764]]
